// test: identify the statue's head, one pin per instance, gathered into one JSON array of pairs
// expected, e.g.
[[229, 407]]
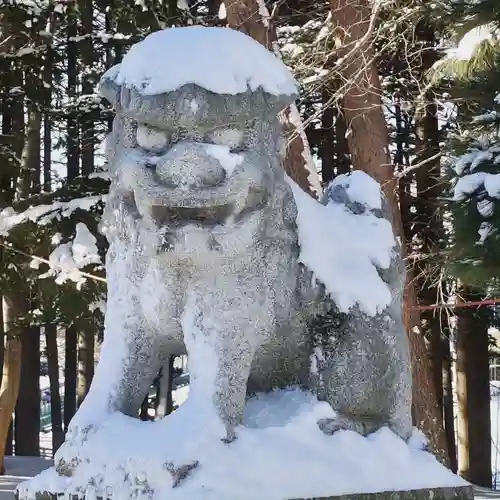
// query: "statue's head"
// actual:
[[196, 138]]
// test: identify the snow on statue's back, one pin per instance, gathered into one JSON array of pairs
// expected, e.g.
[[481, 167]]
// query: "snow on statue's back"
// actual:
[[289, 309]]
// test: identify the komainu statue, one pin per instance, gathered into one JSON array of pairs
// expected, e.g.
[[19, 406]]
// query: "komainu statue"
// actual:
[[206, 252]]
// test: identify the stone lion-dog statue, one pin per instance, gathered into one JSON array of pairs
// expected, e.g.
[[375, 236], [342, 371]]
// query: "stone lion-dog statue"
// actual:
[[204, 248]]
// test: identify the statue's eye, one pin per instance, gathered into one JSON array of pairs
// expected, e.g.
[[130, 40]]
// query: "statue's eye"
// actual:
[[151, 139], [231, 137]]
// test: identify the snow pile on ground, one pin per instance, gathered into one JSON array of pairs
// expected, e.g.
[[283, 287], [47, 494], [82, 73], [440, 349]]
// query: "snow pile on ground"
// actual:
[[344, 249], [216, 63], [280, 453]]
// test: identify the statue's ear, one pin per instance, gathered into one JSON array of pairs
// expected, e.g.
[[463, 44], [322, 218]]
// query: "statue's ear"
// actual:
[[108, 87]]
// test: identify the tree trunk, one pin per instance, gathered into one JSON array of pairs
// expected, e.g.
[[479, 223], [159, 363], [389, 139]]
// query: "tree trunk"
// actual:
[[11, 345], [85, 363], [47, 148], [11, 377], [86, 337], [428, 220], [428, 231], [72, 147], [473, 392], [402, 161], [368, 138], [327, 142], [252, 17], [88, 85], [17, 127], [27, 423], [70, 375], [27, 415], [47, 121], [369, 147], [55, 396], [23, 166], [31, 154], [2, 326], [448, 407], [341, 145], [10, 348], [426, 412], [9, 446], [8, 170]]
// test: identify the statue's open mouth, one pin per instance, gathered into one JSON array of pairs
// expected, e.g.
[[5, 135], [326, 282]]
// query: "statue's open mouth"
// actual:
[[209, 207], [180, 216]]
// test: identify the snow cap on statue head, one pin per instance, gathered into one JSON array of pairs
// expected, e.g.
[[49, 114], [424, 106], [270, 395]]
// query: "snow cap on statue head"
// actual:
[[191, 76]]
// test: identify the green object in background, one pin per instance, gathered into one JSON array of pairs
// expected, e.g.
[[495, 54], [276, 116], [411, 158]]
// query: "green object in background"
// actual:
[[46, 416]]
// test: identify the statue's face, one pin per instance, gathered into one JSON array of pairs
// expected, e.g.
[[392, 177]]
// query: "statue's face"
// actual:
[[204, 176]]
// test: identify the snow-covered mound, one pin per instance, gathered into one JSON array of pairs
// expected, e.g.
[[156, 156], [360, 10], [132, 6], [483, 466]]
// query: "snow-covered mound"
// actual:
[[280, 453], [220, 60]]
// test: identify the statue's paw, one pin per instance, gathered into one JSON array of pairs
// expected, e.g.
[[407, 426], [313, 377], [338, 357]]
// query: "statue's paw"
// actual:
[[67, 468], [330, 426], [67, 456], [363, 426], [179, 473], [230, 434]]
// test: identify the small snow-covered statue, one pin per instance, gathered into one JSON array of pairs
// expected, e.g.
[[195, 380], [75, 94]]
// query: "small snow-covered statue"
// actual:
[[213, 253]]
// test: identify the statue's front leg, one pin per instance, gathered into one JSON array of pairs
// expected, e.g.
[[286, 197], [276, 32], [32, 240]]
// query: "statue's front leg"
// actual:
[[233, 370], [221, 338], [367, 377], [131, 356], [114, 389]]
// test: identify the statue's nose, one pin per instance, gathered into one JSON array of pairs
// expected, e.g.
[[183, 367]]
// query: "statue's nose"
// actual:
[[187, 165]]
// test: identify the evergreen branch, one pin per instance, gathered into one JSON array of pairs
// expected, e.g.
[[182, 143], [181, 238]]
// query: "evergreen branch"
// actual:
[[45, 261]]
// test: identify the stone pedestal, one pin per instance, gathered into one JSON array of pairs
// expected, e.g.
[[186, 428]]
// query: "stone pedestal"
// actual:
[[456, 493]]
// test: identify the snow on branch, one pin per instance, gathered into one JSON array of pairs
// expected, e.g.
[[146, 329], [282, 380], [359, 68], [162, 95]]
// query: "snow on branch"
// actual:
[[36, 261], [45, 214], [67, 259]]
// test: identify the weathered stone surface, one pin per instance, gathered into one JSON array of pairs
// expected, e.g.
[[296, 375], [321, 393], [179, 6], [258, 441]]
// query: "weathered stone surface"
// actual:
[[458, 493]]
